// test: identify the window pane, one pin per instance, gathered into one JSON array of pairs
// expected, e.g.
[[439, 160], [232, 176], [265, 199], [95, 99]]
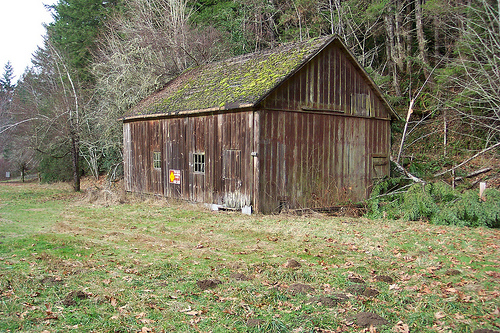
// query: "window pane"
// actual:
[[199, 162], [157, 160]]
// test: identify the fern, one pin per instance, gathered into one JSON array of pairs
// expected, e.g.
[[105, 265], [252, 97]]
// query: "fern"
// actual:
[[418, 203], [469, 210], [436, 202]]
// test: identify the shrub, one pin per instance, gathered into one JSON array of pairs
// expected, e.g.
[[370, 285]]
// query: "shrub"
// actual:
[[385, 198], [469, 210], [442, 192], [418, 202], [55, 169], [436, 202]]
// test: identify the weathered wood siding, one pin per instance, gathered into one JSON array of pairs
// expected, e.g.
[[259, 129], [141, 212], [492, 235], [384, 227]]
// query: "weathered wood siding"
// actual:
[[320, 138], [141, 140], [331, 81], [225, 140], [324, 136], [319, 160]]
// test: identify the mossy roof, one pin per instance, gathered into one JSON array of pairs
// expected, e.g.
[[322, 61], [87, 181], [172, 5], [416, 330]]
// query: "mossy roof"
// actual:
[[233, 83]]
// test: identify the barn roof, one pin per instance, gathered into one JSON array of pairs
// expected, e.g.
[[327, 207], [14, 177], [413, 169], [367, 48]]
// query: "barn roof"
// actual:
[[234, 83]]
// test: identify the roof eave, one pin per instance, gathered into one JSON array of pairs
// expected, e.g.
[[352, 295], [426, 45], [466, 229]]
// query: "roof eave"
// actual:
[[240, 107]]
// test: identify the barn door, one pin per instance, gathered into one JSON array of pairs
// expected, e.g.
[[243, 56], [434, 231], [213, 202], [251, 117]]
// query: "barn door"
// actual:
[[380, 166], [231, 178], [174, 171]]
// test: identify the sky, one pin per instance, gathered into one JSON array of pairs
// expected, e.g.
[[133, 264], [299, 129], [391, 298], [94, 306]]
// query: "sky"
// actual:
[[21, 30]]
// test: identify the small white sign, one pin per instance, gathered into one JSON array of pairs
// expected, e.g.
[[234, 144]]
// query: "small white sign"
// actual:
[[174, 176]]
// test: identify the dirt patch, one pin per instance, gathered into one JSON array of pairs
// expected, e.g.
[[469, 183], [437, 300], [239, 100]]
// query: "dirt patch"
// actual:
[[208, 284], [384, 278], [239, 277], [62, 227], [367, 319], [292, 263], [340, 297], [254, 322], [370, 292], [355, 279], [300, 288], [362, 290], [453, 272], [51, 280], [72, 298], [329, 301]]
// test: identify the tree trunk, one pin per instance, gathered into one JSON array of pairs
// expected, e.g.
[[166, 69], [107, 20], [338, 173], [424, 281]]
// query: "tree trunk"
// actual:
[[445, 133], [398, 33], [391, 52], [435, 21], [75, 156], [422, 45]]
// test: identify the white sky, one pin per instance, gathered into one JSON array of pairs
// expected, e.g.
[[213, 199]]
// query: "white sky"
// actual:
[[21, 30]]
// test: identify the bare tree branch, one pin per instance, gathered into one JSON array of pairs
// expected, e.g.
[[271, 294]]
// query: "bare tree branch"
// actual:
[[468, 160]]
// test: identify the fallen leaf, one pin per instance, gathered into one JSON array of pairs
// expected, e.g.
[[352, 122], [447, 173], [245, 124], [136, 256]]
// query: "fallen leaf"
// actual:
[[401, 328], [495, 275], [193, 313], [141, 315], [146, 321], [424, 289], [439, 315], [51, 317], [228, 311], [145, 330]]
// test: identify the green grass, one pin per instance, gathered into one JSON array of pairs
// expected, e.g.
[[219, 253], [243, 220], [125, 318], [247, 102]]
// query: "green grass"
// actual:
[[138, 265]]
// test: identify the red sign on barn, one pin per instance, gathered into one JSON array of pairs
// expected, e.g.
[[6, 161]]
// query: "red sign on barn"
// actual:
[[174, 176]]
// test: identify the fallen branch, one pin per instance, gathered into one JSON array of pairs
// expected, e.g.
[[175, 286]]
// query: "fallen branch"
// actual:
[[468, 160], [475, 173], [407, 174], [403, 137]]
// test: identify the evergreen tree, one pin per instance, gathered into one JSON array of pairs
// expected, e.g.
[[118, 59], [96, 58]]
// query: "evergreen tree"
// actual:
[[7, 77], [76, 26]]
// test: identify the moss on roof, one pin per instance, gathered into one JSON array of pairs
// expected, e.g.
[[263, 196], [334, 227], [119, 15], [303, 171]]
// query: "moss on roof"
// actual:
[[230, 83]]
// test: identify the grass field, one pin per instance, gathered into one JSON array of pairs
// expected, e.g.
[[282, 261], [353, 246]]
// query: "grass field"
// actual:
[[70, 264]]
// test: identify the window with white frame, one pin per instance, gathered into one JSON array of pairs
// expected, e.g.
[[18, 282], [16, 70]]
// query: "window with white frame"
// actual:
[[199, 162], [157, 160]]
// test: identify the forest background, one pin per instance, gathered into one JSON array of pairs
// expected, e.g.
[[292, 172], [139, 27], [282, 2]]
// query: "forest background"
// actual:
[[436, 61]]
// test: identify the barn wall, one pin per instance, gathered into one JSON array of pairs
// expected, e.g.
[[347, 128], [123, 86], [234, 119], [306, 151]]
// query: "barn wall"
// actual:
[[140, 140], [225, 140], [319, 160], [329, 82]]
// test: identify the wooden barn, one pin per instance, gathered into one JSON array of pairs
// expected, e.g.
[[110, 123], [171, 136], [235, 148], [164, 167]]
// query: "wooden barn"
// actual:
[[298, 126]]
